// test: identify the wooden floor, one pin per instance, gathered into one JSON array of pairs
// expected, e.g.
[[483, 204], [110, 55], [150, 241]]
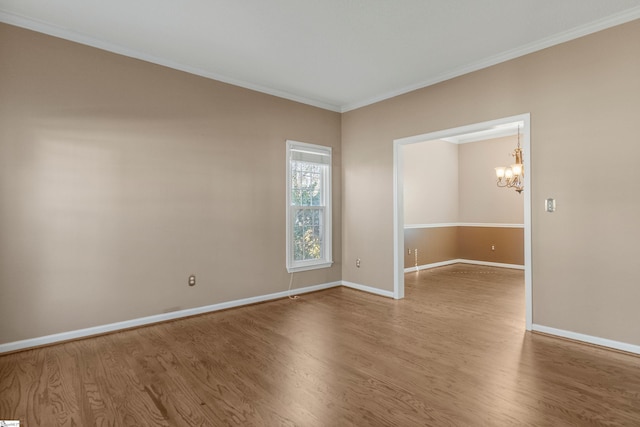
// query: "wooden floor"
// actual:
[[454, 352]]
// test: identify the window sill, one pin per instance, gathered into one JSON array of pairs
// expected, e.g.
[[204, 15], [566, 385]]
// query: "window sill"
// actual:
[[306, 267]]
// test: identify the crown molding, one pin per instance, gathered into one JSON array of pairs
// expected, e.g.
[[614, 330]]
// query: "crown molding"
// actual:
[[565, 36], [583, 30], [55, 31]]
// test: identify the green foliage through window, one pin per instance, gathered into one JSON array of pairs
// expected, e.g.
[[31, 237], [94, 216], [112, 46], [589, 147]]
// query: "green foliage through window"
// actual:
[[306, 192], [308, 206]]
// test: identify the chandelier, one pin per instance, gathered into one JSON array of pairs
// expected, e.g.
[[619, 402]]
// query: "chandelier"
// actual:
[[512, 176]]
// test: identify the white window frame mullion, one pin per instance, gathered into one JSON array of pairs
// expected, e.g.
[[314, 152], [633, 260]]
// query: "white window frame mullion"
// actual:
[[319, 155]]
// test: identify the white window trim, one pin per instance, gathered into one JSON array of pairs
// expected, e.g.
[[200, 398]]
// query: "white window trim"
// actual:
[[327, 259]]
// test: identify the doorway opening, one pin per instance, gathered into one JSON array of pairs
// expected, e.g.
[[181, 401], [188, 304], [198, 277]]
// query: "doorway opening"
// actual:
[[459, 132]]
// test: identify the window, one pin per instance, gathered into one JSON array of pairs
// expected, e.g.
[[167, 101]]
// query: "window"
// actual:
[[308, 206]]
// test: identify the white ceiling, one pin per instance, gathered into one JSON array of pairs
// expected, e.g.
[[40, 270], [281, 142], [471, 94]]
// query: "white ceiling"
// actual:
[[334, 54]]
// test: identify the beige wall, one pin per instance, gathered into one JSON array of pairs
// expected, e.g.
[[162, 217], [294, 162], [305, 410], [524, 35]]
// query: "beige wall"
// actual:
[[430, 183], [446, 182], [583, 100], [480, 199], [119, 178]]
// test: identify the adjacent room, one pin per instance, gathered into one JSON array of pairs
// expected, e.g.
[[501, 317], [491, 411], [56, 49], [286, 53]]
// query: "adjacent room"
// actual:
[[457, 214], [454, 209]]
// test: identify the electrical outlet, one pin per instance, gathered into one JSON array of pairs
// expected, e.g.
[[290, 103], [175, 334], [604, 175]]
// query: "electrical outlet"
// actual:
[[358, 263], [192, 280], [493, 247]]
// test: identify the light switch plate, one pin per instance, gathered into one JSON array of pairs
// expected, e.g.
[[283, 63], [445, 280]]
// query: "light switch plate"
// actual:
[[550, 205]]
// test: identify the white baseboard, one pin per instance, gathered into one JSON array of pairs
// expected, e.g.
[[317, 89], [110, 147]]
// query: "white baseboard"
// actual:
[[463, 261], [376, 291], [630, 348], [432, 265], [492, 264], [112, 327], [464, 224]]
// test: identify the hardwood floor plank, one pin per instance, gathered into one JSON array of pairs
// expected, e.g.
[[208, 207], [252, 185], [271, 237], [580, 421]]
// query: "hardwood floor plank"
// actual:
[[96, 408], [61, 399], [453, 352]]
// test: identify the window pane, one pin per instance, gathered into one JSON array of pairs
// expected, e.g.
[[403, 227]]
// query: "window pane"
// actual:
[[306, 184], [307, 234]]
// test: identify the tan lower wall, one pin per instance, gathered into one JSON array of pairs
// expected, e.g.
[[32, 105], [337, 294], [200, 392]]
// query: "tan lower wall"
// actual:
[[475, 243], [440, 244], [432, 244]]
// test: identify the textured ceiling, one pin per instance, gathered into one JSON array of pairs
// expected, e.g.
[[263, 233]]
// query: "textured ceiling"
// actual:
[[335, 54]]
